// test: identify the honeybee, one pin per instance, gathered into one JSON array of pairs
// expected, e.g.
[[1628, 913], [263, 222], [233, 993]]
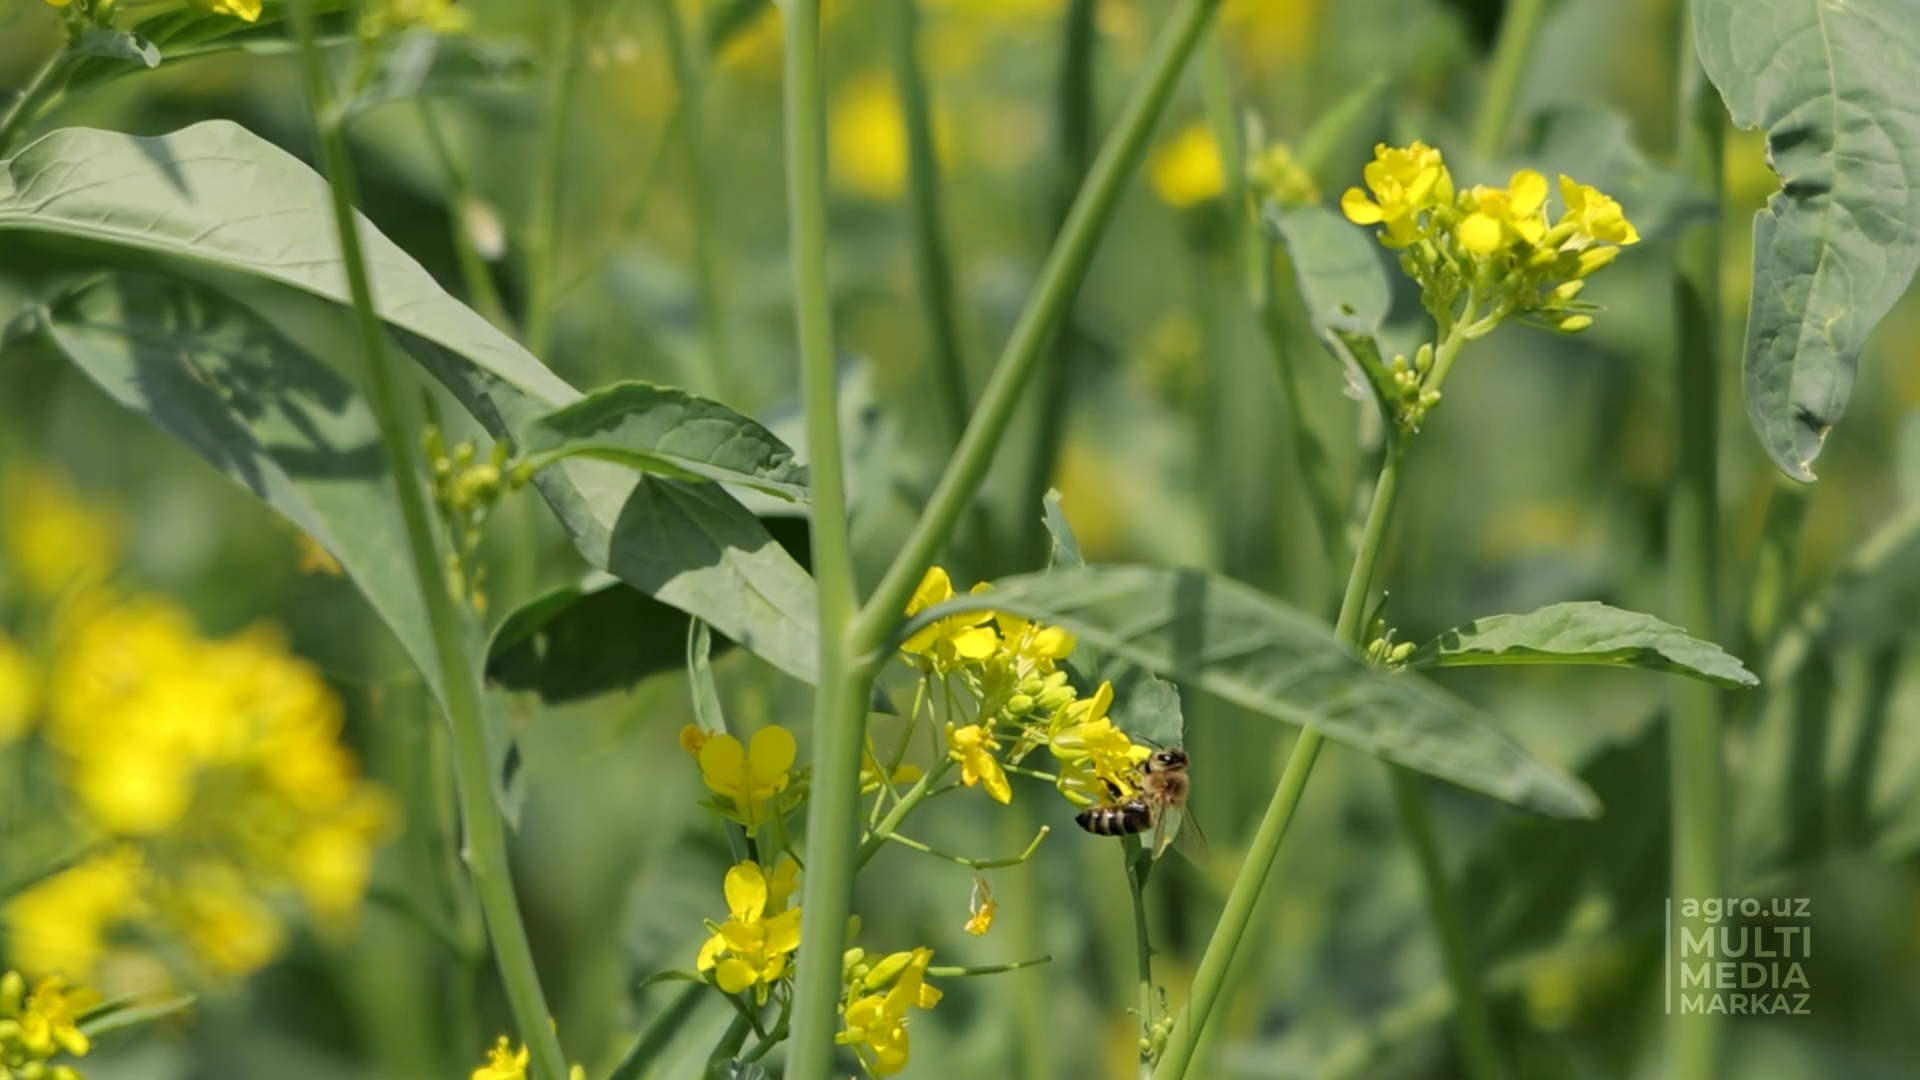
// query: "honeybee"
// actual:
[[1161, 806]]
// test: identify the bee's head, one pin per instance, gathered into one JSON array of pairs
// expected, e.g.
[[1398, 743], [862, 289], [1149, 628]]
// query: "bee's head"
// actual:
[[1170, 759]]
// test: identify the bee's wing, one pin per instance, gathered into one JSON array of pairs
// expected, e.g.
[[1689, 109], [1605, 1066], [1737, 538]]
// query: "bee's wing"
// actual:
[[1177, 828]]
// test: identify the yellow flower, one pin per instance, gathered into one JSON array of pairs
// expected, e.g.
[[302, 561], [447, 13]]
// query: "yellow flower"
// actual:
[[19, 692], [54, 540], [231, 930], [62, 923], [1404, 184], [331, 862], [749, 776], [1187, 171], [877, 1023], [1034, 648], [953, 641], [981, 907], [1278, 175], [1098, 761], [750, 950], [1498, 216], [973, 746], [503, 1062], [244, 10], [1594, 215]]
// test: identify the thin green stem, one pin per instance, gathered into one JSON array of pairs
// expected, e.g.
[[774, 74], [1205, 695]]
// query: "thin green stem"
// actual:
[[1476, 1032], [1244, 897], [917, 794], [543, 221], [1060, 279], [44, 84], [1139, 866], [486, 846], [933, 261], [972, 864], [474, 272], [689, 75], [840, 706], [1075, 122], [1519, 31], [1694, 761]]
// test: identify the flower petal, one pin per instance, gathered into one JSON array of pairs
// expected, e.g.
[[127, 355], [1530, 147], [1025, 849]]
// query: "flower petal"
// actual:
[[735, 975], [746, 892], [723, 764], [1359, 209], [771, 753]]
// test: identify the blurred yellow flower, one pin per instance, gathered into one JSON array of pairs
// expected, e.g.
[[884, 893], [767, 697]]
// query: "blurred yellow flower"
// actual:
[[973, 746], [692, 738], [395, 16], [230, 929], [53, 539], [867, 150], [750, 950], [19, 692], [1266, 35], [749, 776], [244, 10], [503, 1063], [37, 1025], [62, 923], [1186, 170], [877, 1023]]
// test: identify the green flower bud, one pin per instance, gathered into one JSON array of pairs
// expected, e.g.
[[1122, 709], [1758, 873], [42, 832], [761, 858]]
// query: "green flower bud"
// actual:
[[1595, 258], [1032, 685], [1056, 698], [1569, 290], [1401, 652], [1573, 324], [1020, 705], [1423, 360], [887, 970], [463, 454]]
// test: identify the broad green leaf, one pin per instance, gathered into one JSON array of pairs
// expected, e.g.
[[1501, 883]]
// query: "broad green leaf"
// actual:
[[665, 430], [1143, 704], [1595, 145], [580, 641], [1337, 264], [1260, 654], [217, 200], [274, 419], [1583, 632], [1836, 86]]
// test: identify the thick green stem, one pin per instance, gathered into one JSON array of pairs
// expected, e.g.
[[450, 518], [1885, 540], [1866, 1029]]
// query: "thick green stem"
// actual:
[[1265, 847], [44, 84], [1075, 122], [840, 706], [486, 844], [1060, 279], [543, 222], [1470, 1007], [689, 74], [1511, 56], [933, 261], [1694, 760]]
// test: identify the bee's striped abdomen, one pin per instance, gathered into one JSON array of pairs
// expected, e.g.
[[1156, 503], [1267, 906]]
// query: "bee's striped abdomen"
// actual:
[[1124, 819]]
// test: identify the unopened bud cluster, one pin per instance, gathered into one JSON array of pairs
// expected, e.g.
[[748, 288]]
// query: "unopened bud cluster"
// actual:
[[1382, 650], [466, 490]]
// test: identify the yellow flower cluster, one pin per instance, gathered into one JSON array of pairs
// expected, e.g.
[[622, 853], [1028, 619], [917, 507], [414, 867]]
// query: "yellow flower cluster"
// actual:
[[750, 950], [38, 1025], [1010, 668], [205, 778], [877, 998], [748, 778], [1496, 245]]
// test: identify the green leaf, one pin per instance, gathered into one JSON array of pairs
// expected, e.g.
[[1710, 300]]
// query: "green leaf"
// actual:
[[1836, 86], [1143, 704], [659, 1033], [117, 45], [421, 63], [1595, 145], [1258, 653], [274, 419], [1337, 264], [665, 430], [215, 198], [1583, 632], [580, 641]]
